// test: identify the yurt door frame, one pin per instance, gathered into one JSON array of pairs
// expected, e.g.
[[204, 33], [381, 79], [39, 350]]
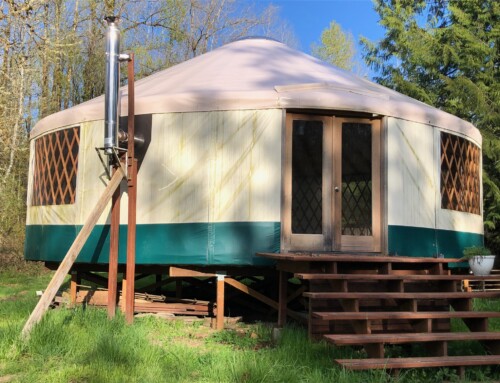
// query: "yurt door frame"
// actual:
[[331, 184]]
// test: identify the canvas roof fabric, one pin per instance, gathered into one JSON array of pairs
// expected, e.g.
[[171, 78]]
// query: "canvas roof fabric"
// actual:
[[260, 74]]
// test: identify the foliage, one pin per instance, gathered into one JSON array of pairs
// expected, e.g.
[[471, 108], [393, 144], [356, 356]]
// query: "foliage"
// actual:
[[337, 47], [473, 251], [446, 53], [491, 190]]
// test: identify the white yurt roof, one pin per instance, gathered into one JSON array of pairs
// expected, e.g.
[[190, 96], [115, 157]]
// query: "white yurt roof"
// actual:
[[260, 74]]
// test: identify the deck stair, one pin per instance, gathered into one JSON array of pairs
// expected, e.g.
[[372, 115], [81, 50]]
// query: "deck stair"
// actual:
[[374, 305], [378, 301]]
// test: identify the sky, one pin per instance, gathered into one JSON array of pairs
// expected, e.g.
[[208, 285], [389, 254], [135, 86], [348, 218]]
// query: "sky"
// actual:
[[309, 18]]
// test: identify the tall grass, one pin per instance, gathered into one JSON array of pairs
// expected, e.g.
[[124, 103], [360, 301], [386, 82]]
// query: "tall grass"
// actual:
[[82, 345]]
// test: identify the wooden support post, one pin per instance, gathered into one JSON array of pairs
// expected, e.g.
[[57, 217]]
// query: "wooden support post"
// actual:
[[113, 252], [466, 285], [70, 257], [132, 199], [282, 299], [73, 290], [124, 294], [220, 302], [374, 350]]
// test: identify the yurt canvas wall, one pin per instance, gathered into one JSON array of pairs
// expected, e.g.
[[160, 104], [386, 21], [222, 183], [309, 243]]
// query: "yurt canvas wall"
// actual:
[[425, 165], [209, 192]]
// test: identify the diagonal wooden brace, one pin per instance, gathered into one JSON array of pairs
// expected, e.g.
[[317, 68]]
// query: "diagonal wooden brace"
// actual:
[[70, 257]]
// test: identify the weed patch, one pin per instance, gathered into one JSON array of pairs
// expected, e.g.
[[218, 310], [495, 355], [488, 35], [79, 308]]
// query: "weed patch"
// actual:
[[82, 345]]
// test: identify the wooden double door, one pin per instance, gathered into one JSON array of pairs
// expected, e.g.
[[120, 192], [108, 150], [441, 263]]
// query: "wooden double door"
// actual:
[[331, 190]]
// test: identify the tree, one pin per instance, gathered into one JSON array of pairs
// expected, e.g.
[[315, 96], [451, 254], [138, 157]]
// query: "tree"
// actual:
[[17, 40], [337, 47], [52, 57], [182, 29], [446, 53]]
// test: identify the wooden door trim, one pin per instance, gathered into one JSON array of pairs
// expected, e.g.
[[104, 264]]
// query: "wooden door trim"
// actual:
[[332, 168], [306, 241], [358, 243]]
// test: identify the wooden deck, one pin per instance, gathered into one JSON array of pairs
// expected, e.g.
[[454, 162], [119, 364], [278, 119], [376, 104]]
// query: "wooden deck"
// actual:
[[375, 301]]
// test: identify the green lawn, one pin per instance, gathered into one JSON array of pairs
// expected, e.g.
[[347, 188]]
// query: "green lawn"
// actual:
[[77, 345]]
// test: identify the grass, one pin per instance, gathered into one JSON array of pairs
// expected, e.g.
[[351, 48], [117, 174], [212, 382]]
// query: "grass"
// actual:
[[82, 345]]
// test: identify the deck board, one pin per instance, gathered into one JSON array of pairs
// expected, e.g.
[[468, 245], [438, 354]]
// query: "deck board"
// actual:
[[399, 338], [379, 315], [419, 362], [404, 277], [351, 257], [391, 295]]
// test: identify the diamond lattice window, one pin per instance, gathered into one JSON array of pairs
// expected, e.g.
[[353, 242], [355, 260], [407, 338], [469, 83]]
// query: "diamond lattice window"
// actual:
[[56, 165], [460, 171]]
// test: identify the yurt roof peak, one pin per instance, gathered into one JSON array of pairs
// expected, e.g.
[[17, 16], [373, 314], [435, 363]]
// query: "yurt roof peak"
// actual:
[[260, 74]]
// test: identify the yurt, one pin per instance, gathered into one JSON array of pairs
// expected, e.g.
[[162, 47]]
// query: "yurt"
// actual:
[[257, 147]]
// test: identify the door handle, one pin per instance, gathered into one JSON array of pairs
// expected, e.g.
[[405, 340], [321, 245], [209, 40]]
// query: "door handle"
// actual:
[[336, 188]]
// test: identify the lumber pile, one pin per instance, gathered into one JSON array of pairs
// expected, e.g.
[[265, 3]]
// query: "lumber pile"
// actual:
[[149, 303]]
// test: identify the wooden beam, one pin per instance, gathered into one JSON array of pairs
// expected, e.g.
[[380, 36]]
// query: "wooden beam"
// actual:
[[247, 290], [282, 298], [70, 257], [182, 272], [94, 278], [142, 276]]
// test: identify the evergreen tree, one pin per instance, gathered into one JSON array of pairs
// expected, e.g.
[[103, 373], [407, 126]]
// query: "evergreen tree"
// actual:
[[446, 53]]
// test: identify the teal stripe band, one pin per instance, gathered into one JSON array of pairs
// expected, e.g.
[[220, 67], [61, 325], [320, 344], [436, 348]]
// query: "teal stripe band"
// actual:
[[424, 242], [227, 243]]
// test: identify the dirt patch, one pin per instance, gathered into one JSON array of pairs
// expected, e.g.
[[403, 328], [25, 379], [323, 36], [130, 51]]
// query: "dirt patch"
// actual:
[[7, 378]]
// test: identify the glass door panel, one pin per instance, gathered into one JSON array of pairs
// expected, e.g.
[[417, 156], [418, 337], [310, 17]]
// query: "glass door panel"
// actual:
[[357, 179], [307, 177]]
